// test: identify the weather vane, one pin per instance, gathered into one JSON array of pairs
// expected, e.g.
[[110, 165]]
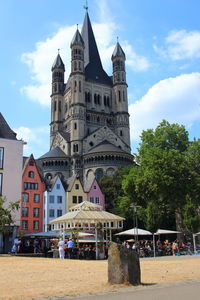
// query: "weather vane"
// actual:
[[86, 5]]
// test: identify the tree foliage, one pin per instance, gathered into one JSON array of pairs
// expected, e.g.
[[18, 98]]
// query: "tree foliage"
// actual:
[[165, 184], [6, 215]]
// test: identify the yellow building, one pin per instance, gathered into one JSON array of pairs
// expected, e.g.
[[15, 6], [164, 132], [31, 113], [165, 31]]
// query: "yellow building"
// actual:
[[75, 193]]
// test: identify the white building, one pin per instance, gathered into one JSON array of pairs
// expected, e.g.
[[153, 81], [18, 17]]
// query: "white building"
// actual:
[[54, 202], [11, 156]]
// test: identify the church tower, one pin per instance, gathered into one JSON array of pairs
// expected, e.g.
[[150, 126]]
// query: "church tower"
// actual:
[[77, 104], [58, 70], [120, 92], [89, 113]]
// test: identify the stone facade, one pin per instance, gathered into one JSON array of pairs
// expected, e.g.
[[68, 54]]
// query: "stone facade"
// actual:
[[89, 114]]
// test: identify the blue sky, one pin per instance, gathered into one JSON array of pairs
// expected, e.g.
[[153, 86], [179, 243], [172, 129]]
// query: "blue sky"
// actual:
[[161, 40]]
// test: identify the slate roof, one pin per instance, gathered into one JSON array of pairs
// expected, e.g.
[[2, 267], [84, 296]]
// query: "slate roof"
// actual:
[[105, 146], [5, 131], [118, 52], [93, 67], [77, 39], [55, 152], [58, 63]]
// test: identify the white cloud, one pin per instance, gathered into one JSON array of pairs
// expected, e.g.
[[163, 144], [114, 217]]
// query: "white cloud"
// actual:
[[175, 99], [41, 59], [181, 44], [37, 139]]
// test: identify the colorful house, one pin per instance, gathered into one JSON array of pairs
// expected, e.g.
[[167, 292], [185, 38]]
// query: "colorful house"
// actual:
[[33, 187], [94, 193], [54, 202], [11, 156], [75, 192]]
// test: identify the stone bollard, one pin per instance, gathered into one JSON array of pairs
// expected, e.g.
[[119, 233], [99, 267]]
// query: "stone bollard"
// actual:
[[123, 265]]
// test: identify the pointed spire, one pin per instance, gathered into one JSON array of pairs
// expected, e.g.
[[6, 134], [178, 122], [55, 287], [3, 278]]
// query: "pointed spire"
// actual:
[[118, 52], [77, 39], [93, 66], [58, 63]]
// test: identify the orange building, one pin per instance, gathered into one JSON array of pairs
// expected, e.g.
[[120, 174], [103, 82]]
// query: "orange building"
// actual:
[[33, 187]]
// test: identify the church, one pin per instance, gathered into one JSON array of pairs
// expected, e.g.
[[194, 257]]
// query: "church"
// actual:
[[89, 129]]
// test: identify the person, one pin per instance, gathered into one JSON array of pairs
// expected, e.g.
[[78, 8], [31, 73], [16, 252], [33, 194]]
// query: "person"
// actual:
[[70, 246], [61, 249], [36, 246]]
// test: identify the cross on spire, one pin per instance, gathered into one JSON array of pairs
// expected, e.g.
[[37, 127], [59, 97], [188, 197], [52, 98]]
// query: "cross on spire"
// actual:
[[86, 5]]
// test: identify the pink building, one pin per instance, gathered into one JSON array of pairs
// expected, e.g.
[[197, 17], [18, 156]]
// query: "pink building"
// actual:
[[94, 193]]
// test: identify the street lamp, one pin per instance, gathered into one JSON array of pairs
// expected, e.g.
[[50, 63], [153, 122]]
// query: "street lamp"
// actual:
[[135, 221]]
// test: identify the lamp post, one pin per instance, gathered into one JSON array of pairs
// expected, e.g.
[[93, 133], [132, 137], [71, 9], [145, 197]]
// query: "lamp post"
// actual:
[[135, 221]]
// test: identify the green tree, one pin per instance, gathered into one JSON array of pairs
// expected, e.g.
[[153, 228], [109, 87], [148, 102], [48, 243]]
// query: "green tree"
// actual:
[[111, 186], [6, 219]]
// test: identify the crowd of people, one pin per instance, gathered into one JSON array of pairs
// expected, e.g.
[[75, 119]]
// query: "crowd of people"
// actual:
[[145, 248]]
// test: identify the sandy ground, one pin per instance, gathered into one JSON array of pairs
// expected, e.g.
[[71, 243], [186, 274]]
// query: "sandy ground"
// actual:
[[24, 277]]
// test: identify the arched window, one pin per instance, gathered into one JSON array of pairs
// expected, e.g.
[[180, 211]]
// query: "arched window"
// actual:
[[119, 95], [95, 98], [31, 174], [75, 126], [104, 100], [124, 96], [55, 106], [59, 105], [75, 66], [79, 86], [108, 101]]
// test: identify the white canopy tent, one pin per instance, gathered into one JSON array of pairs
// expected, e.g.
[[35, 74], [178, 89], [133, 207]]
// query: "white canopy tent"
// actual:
[[166, 231], [88, 217], [134, 231]]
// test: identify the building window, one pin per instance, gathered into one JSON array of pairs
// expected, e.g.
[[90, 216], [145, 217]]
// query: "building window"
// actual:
[[58, 186], [24, 224], [25, 197], [74, 199], [24, 211], [1, 183], [97, 200], [80, 199], [95, 187], [31, 174], [30, 186], [36, 212], [75, 126], [119, 95], [92, 199], [76, 186], [55, 103], [51, 213], [36, 198], [121, 133], [59, 199], [35, 225], [1, 157], [79, 86], [59, 212], [51, 199]]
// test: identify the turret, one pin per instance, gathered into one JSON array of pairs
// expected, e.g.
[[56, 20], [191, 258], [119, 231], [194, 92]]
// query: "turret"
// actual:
[[77, 109], [58, 70], [120, 91]]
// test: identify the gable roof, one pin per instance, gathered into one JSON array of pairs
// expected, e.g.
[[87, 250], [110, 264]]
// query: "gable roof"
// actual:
[[93, 66], [105, 146], [5, 131]]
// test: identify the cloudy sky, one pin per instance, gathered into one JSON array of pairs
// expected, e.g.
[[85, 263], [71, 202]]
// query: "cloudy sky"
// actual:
[[161, 40]]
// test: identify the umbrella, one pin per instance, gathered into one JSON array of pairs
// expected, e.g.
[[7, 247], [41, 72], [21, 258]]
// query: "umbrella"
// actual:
[[134, 231], [165, 231]]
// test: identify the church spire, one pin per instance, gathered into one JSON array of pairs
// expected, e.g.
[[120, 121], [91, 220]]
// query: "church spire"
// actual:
[[93, 66]]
